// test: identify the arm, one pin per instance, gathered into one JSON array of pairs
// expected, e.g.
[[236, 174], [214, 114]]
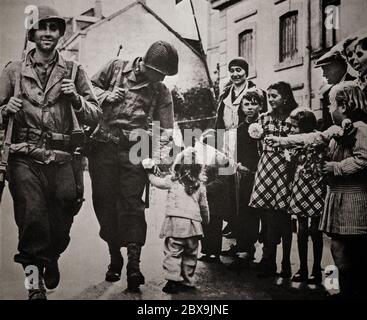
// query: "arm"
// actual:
[[357, 161], [6, 92], [89, 111], [305, 138], [163, 112], [101, 81], [161, 183], [204, 207]]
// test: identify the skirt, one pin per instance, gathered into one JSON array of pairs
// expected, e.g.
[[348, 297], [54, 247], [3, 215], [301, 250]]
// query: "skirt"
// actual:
[[272, 186], [308, 196], [345, 211]]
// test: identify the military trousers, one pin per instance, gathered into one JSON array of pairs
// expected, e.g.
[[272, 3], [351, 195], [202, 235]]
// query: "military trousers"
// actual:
[[44, 197], [117, 190]]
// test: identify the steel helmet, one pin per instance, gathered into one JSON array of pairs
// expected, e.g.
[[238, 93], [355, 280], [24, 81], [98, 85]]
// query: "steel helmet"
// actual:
[[162, 57], [45, 13]]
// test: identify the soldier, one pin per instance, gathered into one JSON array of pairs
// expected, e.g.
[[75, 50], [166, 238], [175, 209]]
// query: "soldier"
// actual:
[[131, 94], [48, 106]]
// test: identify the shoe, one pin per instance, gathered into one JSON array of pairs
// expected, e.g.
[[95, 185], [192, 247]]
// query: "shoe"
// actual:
[[37, 294], [285, 274], [209, 259], [171, 287], [239, 264], [229, 235], [260, 266], [134, 280], [315, 278], [52, 275], [231, 252], [113, 273], [300, 276], [226, 229]]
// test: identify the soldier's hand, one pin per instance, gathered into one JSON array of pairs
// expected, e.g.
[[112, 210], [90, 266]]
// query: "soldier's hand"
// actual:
[[68, 88], [117, 95], [13, 106]]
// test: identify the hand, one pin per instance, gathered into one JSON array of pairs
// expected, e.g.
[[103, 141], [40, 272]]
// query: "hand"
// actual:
[[328, 167], [14, 105], [273, 141], [203, 177], [117, 95], [68, 88], [242, 169]]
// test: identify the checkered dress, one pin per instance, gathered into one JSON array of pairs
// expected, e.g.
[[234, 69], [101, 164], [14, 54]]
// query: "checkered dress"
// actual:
[[272, 186], [308, 195]]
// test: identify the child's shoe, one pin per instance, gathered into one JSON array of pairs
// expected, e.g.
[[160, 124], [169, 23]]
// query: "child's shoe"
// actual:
[[300, 276]]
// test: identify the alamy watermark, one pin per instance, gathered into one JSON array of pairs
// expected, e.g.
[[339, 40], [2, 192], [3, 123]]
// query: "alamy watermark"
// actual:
[[164, 147], [332, 19]]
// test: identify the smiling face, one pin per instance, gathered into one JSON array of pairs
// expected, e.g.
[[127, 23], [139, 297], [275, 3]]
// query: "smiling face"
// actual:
[[276, 101], [238, 75], [47, 35]]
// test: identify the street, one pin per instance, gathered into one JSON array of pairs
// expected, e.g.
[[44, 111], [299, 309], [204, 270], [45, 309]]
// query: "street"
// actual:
[[84, 264]]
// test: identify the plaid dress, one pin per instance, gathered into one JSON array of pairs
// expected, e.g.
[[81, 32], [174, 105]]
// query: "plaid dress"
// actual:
[[308, 195], [309, 186], [271, 188]]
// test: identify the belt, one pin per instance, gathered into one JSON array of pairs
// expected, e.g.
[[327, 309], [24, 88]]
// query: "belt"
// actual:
[[40, 138], [102, 135]]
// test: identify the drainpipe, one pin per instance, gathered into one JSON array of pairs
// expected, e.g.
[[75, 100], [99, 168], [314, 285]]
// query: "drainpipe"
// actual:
[[308, 86]]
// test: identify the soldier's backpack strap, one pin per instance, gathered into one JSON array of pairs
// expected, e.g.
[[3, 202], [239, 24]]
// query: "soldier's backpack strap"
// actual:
[[118, 73], [74, 70]]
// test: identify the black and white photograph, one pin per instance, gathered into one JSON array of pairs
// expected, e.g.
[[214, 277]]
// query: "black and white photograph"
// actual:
[[200, 151]]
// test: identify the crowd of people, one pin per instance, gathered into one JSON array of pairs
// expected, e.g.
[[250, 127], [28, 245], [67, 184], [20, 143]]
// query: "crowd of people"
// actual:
[[286, 164]]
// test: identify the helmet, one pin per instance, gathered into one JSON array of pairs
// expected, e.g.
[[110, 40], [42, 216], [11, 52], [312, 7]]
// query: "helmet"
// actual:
[[162, 57], [46, 13]]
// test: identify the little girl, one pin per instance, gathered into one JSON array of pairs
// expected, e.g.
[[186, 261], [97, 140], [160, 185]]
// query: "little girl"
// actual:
[[186, 209], [307, 199], [271, 189], [345, 213]]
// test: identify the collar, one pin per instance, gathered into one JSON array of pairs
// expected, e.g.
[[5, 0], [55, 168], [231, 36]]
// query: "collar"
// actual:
[[30, 60], [133, 77]]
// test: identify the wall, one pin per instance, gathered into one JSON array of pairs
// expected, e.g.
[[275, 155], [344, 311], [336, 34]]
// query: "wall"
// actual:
[[263, 16], [101, 44]]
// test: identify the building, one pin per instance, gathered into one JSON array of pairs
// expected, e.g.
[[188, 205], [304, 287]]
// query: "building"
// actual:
[[281, 39], [94, 39]]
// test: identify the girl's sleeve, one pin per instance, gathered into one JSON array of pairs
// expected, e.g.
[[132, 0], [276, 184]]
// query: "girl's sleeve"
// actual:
[[358, 160], [161, 183], [308, 138], [204, 207]]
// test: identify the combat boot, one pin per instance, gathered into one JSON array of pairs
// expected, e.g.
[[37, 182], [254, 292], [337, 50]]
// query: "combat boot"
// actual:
[[113, 273], [36, 287], [134, 277], [52, 275]]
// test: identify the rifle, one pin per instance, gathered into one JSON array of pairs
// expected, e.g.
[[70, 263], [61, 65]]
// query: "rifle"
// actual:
[[5, 151]]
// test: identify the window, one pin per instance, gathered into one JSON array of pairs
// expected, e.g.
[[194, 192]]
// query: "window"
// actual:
[[288, 42], [246, 47], [330, 23]]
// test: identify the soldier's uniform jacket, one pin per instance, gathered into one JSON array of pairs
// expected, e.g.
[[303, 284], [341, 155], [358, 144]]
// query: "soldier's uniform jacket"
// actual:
[[144, 101], [47, 109]]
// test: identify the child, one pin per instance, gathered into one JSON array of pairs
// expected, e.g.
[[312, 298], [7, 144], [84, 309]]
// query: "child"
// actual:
[[344, 218], [247, 222], [307, 199], [217, 189], [271, 189], [186, 209]]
